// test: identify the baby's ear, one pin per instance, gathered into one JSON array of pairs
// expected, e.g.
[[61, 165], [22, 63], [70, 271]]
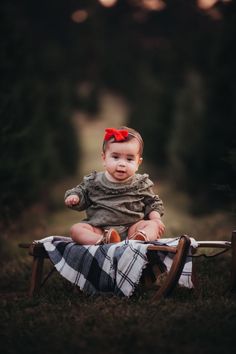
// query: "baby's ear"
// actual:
[[140, 160]]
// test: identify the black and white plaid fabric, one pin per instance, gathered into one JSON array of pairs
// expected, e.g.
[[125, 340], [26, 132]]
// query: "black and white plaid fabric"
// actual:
[[111, 268]]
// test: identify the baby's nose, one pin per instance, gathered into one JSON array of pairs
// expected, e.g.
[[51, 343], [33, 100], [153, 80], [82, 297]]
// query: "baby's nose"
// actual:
[[121, 163]]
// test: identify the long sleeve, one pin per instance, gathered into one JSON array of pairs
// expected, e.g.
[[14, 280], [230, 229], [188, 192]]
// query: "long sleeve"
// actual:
[[153, 202], [81, 191]]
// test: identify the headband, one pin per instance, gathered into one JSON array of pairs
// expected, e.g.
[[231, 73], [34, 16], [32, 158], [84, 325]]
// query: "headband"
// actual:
[[120, 135]]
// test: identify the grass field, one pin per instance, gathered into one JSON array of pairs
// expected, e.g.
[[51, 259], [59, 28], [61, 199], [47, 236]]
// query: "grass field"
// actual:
[[62, 320]]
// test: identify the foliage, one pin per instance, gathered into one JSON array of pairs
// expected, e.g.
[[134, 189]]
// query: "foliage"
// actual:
[[38, 144], [188, 118]]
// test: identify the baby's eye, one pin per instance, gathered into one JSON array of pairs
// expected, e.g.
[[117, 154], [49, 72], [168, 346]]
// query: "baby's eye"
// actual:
[[115, 157], [130, 159]]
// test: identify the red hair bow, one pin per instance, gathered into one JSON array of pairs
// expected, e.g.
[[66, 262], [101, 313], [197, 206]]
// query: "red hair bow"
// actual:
[[119, 135]]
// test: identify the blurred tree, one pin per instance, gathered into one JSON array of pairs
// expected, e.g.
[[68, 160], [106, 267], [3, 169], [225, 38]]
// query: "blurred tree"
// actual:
[[38, 144], [193, 114], [203, 133]]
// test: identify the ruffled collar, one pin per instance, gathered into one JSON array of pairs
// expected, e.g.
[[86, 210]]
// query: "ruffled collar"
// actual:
[[100, 182], [106, 181]]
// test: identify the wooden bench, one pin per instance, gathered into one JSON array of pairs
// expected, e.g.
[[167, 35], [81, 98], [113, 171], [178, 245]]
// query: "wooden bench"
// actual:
[[37, 251]]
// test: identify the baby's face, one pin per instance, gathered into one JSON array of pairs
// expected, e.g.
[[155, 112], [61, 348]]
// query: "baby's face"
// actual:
[[121, 160]]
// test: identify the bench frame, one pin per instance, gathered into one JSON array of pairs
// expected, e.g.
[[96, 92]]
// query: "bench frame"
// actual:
[[181, 251]]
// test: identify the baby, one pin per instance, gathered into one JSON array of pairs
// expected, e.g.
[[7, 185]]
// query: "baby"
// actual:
[[119, 203]]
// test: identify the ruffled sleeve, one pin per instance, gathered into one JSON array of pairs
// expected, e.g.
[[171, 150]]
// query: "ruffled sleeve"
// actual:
[[153, 203], [81, 190], [151, 200]]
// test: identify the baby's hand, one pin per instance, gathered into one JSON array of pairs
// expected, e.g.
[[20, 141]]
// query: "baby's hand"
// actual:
[[72, 200], [161, 228]]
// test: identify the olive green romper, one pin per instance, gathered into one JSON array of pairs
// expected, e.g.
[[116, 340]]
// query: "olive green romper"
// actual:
[[118, 205]]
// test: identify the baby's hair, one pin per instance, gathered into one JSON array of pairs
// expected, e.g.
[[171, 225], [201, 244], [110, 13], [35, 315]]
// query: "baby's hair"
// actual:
[[132, 134]]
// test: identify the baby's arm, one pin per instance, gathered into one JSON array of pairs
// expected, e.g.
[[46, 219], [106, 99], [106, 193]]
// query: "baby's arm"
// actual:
[[72, 200], [77, 198]]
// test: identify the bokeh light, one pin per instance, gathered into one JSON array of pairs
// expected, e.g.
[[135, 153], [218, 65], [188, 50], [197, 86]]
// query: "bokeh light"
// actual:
[[153, 5], [79, 16], [206, 4], [108, 3]]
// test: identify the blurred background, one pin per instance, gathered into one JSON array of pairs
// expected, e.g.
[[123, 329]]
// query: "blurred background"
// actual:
[[70, 68]]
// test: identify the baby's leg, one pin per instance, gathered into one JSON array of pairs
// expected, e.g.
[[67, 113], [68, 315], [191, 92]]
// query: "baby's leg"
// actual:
[[85, 234], [148, 227]]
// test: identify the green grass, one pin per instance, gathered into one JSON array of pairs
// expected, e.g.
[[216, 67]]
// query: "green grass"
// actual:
[[63, 320]]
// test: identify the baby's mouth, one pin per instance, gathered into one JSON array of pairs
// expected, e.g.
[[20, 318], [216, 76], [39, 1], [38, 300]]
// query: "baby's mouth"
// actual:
[[118, 171], [121, 173]]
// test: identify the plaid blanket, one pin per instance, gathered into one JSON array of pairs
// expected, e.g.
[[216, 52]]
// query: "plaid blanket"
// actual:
[[111, 268]]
